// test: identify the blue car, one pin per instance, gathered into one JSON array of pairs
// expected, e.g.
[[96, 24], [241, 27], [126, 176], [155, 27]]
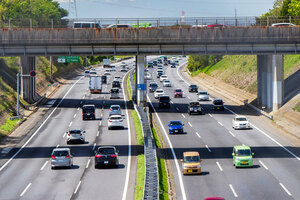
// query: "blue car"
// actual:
[[175, 127]]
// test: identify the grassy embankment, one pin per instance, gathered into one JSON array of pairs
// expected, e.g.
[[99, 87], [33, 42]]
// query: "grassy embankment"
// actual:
[[297, 107]]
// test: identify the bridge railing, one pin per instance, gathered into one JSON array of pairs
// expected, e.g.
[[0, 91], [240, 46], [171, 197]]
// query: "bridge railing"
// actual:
[[150, 22]]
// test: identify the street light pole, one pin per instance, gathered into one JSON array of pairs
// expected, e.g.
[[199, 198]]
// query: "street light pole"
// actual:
[[18, 103]]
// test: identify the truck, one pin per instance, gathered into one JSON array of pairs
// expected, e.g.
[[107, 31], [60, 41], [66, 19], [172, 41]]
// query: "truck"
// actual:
[[95, 84], [106, 63]]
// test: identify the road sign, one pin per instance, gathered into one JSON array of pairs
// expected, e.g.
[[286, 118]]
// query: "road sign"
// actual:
[[68, 59], [141, 87], [32, 73]]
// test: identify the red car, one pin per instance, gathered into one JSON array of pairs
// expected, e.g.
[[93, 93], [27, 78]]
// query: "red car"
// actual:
[[214, 198], [216, 26], [178, 93]]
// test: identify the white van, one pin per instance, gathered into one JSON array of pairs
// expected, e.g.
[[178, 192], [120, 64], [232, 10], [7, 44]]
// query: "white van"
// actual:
[[86, 73], [86, 25]]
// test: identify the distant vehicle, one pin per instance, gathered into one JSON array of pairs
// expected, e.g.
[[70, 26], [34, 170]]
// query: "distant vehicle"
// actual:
[[86, 25], [124, 69], [240, 122], [154, 63], [167, 83], [178, 93], [75, 136], [158, 93], [191, 163], [104, 79], [199, 26], [283, 24], [95, 84], [141, 25], [114, 110], [88, 112], [159, 67], [242, 156], [160, 73], [173, 65], [193, 88], [150, 65], [61, 157], [106, 156], [175, 127], [93, 73], [152, 87], [203, 96], [148, 76], [87, 73], [195, 107], [218, 104], [116, 84], [117, 78], [169, 61], [119, 26], [106, 63], [114, 93], [176, 62], [216, 26], [163, 77], [115, 121], [164, 101], [159, 61]]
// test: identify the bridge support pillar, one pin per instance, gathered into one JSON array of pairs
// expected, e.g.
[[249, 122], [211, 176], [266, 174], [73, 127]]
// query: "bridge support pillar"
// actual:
[[28, 87], [270, 79], [140, 86]]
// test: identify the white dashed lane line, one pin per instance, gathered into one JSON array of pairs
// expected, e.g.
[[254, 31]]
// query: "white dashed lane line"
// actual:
[[98, 133], [208, 148], [42, 168], [183, 115], [286, 190], [231, 133], [75, 115], [188, 97], [190, 124], [25, 189], [64, 135], [77, 187], [220, 123], [57, 146], [78, 108], [70, 124], [221, 169], [198, 134], [172, 102], [233, 191], [210, 115], [263, 164], [87, 164]]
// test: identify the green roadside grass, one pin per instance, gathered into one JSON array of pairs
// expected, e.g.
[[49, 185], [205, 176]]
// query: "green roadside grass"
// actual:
[[8, 127], [140, 177], [129, 87], [138, 128], [297, 107]]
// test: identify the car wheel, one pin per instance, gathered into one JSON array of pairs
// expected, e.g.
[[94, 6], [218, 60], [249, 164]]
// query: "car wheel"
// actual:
[[52, 167], [189, 113], [109, 128], [96, 167], [68, 142]]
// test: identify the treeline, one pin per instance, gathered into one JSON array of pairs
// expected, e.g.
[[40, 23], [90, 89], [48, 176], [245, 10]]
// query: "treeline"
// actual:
[[283, 8], [197, 62]]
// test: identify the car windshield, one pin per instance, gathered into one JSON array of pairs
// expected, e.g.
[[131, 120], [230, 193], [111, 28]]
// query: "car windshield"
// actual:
[[218, 102], [193, 86], [195, 104], [115, 107], [205, 93], [167, 81], [115, 117], [60, 153], [75, 131], [243, 152], [159, 91], [175, 123], [153, 85], [88, 108], [179, 90], [114, 90], [191, 159], [241, 119], [106, 151]]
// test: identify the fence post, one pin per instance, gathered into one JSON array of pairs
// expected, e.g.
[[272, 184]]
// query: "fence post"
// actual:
[[267, 21], [52, 24], [290, 19], [196, 22], [9, 23], [30, 22]]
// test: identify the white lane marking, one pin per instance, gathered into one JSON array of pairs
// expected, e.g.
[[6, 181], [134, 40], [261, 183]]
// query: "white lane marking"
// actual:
[[100, 123], [83, 97], [210, 115], [233, 191], [173, 152], [183, 115], [190, 124], [269, 137], [177, 108], [172, 102], [263, 164], [42, 168], [37, 130], [87, 164], [57, 146], [70, 124], [181, 76], [75, 115], [25, 189], [94, 146], [77, 187], [98, 133], [101, 114], [286, 190], [220, 123], [208, 148], [78, 108], [221, 169], [188, 97], [64, 135], [198, 134], [129, 146], [231, 133]]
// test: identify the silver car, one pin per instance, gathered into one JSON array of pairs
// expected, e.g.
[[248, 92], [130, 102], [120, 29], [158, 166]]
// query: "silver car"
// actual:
[[61, 157], [75, 136], [114, 110], [115, 121], [203, 96]]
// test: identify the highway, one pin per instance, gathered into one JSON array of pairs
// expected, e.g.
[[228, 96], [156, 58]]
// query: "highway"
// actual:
[[29, 176], [275, 174]]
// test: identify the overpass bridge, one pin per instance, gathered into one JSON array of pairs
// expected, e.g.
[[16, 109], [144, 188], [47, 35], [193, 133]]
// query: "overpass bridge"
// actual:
[[268, 43]]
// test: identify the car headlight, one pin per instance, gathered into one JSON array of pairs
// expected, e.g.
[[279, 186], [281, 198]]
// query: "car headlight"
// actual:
[[199, 166], [185, 166], [250, 159], [191, 108], [237, 159]]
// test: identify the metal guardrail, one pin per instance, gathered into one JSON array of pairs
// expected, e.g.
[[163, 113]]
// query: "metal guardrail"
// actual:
[[150, 22]]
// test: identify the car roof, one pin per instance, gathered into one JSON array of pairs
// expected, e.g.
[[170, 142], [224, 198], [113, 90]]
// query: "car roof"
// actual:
[[106, 147], [176, 121], [240, 116], [88, 105], [115, 105], [218, 100], [115, 116], [241, 147], [61, 149], [194, 102], [191, 153]]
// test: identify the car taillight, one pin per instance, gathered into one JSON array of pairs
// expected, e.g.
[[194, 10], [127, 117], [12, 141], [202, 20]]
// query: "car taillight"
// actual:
[[69, 134], [109, 109], [68, 156], [113, 156], [109, 120], [98, 156], [121, 120], [80, 134], [53, 157]]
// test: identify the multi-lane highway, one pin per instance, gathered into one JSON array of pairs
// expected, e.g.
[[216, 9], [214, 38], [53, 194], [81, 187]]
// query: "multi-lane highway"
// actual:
[[27, 174], [275, 174]]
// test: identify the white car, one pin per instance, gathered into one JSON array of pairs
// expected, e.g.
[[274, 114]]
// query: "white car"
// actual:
[[86, 73], [75, 136], [240, 122], [117, 78], [148, 76], [158, 93], [203, 96], [167, 83], [163, 77], [115, 121]]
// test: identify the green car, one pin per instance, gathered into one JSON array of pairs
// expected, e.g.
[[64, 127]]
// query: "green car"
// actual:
[[242, 156]]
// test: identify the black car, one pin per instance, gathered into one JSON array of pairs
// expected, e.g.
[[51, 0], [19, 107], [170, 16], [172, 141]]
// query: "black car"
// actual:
[[104, 79], [116, 84], [218, 104], [154, 63], [153, 87], [195, 107], [164, 101], [106, 156], [88, 112], [193, 88], [173, 65]]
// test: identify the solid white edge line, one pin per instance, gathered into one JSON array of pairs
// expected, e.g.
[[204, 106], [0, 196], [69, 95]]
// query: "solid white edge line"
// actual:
[[190, 124], [70, 124], [221, 169], [44, 165], [198, 134], [87, 164], [129, 145], [207, 148], [210, 115], [24, 145], [220, 123], [181, 76], [286, 190], [77, 187], [233, 191], [263, 164], [25, 189], [100, 123], [183, 115], [231, 133], [173, 152]]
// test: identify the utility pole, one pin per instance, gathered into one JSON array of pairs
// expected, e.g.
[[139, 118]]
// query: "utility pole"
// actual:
[[51, 77], [235, 17]]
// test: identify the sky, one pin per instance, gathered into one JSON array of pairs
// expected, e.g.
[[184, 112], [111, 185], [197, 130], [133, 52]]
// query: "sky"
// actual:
[[166, 8]]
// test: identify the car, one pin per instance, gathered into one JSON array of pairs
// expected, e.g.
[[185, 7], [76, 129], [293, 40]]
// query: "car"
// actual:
[[154, 63], [169, 61], [106, 73], [114, 110], [61, 157], [86, 24], [242, 156], [159, 67], [150, 65], [93, 72], [104, 79], [203, 96], [178, 93], [176, 62], [191, 163], [152, 87], [158, 93], [115, 121], [123, 69], [116, 84], [167, 83], [193, 88], [163, 77], [240, 122], [218, 104], [119, 26], [88, 112], [113, 68], [117, 78], [173, 65], [106, 156], [87, 73], [148, 76], [195, 107], [114, 93], [159, 61], [175, 127], [159, 73], [283, 24], [164, 101], [75, 136]]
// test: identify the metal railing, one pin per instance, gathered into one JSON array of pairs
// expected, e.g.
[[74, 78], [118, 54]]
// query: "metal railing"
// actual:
[[150, 22]]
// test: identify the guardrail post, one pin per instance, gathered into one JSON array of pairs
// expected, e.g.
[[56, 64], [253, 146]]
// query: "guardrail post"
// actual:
[[290, 19], [267, 21], [52, 23], [30, 22], [9, 23]]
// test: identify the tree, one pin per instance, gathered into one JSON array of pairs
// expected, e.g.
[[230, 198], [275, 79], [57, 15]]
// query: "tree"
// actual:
[[284, 11], [294, 8]]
